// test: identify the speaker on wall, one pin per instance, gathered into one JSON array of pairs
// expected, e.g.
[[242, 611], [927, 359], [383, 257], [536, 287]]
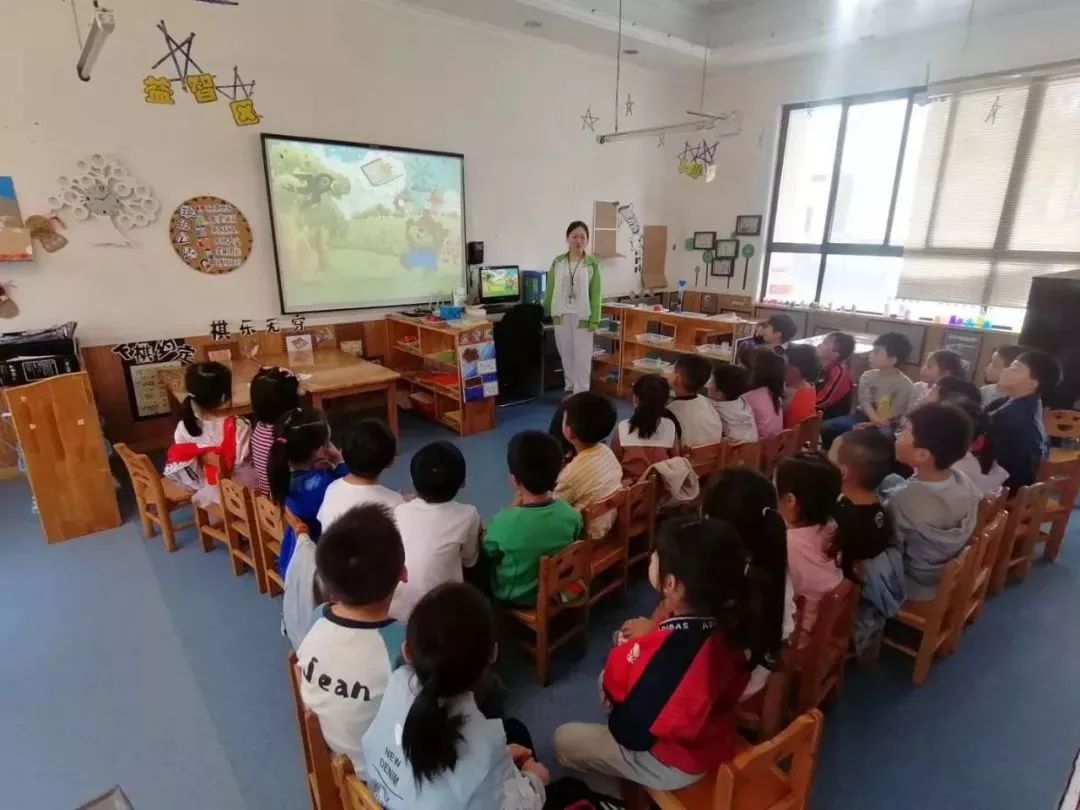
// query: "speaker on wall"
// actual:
[[1051, 322], [476, 252]]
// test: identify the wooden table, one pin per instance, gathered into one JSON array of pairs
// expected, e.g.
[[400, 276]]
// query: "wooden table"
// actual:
[[334, 373]]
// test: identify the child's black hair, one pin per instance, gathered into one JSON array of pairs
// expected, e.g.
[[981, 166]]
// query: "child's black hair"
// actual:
[[273, 392], [895, 345], [359, 558], [951, 388], [652, 392], [767, 371], [784, 324], [591, 417], [208, 385], [534, 459], [450, 639], [747, 500], [1044, 368], [298, 435], [438, 471], [805, 359], [730, 380], [707, 558], [950, 363], [1010, 352], [869, 454], [814, 481], [369, 448], [694, 370], [844, 343], [943, 430]]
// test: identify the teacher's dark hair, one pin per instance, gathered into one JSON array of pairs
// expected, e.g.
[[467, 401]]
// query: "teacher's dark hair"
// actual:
[[573, 226]]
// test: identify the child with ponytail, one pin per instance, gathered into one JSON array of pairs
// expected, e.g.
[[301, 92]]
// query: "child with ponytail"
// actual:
[[302, 464], [206, 427], [666, 733], [652, 434], [430, 747]]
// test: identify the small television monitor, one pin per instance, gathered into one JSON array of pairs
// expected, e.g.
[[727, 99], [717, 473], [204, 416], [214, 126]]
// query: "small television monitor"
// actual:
[[500, 285]]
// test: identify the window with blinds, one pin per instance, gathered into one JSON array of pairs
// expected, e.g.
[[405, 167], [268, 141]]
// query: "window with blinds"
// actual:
[[959, 196]]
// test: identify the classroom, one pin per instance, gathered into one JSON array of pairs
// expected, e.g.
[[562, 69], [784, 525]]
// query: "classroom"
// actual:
[[540, 404]]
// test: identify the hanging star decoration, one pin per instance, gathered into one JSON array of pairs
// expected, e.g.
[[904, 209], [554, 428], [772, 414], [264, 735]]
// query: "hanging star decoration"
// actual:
[[629, 106], [698, 161], [995, 108], [660, 141], [588, 120]]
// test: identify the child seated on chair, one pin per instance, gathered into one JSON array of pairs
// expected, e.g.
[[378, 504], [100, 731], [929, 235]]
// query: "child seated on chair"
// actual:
[[206, 427], [799, 377], [936, 510], [369, 449], [349, 653], [274, 392], [534, 526], [302, 465], [652, 434], [695, 414], [441, 536], [834, 385], [1001, 359], [937, 366], [594, 473], [672, 688], [729, 383], [765, 390], [807, 487], [865, 536], [1016, 424], [776, 332], [980, 462], [430, 746]]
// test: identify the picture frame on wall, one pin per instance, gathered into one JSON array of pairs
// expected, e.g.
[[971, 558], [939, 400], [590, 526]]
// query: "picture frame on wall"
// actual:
[[704, 240], [727, 248], [748, 225], [722, 267]]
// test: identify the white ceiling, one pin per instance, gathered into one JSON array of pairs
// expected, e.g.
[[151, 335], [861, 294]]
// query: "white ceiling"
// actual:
[[677, 33]]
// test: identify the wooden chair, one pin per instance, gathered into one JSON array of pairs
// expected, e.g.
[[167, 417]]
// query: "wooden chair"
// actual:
[[990, 507], [757, 777], [1063, 480], [270, 532], [975, 580], [1017, 547], [765, 713], [783, 444], [156, 497], [609, 556], [317, 763], [810, 433], [820, 658], [355, 795], [741, 454], [241, 532], [563, 590], [706, 458], [932, 619], [1063, 424], [642, 531]]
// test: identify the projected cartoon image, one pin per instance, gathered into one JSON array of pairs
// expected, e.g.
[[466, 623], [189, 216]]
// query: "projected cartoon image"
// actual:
[[360, 226]]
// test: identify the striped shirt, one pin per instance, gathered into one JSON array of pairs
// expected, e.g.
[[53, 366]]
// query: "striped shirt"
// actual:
[[592, 475], [262, 439]]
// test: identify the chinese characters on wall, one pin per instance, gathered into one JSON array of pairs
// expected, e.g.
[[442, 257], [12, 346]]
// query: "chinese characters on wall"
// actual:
[[210, 235]]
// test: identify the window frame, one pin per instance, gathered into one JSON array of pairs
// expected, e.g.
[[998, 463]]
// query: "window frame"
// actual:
[[826, 247]]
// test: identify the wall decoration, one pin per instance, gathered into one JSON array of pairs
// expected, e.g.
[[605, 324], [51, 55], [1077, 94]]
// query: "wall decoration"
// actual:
[[219, 330], [197, 82], [15, 245], [143, 363], [210, 235], [629, 106], [995, 108], [43, 229], [589, 121], [704, 240], [661, 141], [479, 375], [8, 307], [748, 225], [698, 161], [722, 268], [629, 216], [104, 194], [727, 248], [747, 254]]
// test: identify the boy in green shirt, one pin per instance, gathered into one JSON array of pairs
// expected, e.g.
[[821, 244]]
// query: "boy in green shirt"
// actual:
[[535, 525]]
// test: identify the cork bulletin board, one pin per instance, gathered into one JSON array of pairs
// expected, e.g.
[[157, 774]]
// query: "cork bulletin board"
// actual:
[[210, 235]]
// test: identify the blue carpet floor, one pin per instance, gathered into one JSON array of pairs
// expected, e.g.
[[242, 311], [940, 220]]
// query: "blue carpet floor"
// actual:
[[165, 674]]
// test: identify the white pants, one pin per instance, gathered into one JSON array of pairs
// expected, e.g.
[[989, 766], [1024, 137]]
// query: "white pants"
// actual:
[[575, 348]]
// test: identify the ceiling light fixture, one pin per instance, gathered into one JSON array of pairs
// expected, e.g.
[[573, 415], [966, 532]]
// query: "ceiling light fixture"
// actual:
[[728, 123], [631, 51]]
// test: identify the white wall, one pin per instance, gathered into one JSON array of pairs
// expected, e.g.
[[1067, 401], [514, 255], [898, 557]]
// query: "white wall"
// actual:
[[342, 69], [746, 162]]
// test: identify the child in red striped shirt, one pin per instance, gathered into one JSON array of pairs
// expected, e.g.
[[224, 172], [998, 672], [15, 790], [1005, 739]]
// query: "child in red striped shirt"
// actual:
[[834, 385]]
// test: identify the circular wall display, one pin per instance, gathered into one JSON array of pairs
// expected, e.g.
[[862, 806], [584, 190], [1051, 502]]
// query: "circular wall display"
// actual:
[[210, 235]]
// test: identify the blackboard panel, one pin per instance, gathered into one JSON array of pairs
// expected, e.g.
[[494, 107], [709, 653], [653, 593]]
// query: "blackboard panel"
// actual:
[[965, 342]]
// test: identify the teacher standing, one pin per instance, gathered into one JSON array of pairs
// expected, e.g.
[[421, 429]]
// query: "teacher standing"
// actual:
[[572, 299]]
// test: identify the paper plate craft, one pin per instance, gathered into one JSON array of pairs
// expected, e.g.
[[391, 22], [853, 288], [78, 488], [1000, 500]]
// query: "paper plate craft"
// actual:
[[210, 235], [104, 193]]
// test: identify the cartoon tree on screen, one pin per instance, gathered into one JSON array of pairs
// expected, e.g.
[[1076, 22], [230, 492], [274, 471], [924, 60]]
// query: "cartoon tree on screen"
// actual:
[[306, 193]]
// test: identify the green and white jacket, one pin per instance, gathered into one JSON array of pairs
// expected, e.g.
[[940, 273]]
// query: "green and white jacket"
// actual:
[[585, 306]]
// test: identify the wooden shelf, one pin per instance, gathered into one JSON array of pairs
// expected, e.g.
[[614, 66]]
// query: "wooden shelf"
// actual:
[[408, 349], [446, 391], [606, 359]]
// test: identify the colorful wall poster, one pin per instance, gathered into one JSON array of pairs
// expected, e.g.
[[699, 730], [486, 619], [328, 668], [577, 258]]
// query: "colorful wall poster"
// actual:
[[479, 374], [210, 235], [147, 365], [15, 243]]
